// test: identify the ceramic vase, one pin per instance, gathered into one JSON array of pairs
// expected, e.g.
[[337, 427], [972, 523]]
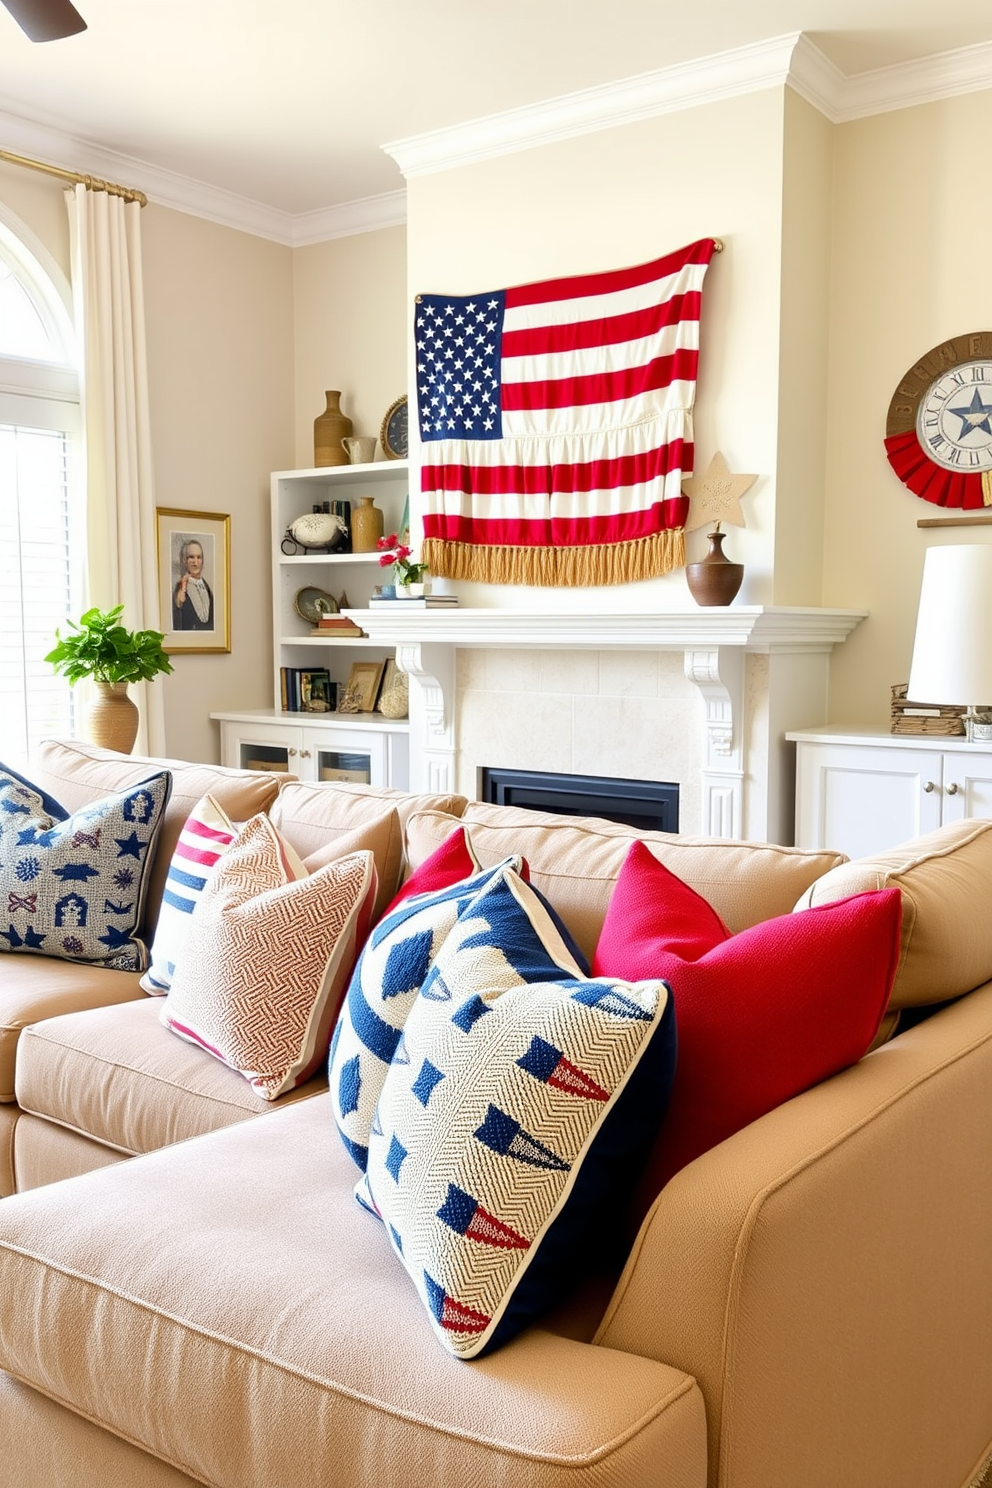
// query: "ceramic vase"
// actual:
[[715, 580], [411, 591], [329, 430], [112, 717], [366, 526]]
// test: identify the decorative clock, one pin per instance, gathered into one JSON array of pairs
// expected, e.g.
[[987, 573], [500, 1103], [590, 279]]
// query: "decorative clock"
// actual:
[[938, 435], [394, 436]]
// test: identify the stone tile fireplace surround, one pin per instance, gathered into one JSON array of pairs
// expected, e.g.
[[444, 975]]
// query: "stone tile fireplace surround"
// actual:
[[702, 698]]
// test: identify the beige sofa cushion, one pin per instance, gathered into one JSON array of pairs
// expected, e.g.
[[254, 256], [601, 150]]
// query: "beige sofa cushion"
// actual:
[[576, 865], [239, 1269], [945, 880], [76, 773], [36, 987], [118, 1076], [315, 817]]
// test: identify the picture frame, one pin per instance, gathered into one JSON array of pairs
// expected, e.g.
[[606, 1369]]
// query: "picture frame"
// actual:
[[194, 596], [362, 688]]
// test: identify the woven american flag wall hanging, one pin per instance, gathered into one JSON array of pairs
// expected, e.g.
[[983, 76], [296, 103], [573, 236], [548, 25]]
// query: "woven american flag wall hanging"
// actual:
[[556, 424]]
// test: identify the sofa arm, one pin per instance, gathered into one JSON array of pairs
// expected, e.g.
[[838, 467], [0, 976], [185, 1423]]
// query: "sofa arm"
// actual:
[[825, 1274]]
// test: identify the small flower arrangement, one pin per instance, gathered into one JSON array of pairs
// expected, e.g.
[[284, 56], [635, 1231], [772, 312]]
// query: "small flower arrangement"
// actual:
[[395, 553]]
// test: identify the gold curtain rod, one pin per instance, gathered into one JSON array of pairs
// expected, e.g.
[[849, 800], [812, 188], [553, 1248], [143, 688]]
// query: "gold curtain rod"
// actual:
[[93, 183]]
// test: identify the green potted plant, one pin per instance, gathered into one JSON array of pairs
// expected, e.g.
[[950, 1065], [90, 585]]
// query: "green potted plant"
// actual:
[[98, 647]]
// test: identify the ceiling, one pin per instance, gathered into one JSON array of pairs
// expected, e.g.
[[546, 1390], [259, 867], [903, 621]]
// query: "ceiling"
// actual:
[[287, 104]]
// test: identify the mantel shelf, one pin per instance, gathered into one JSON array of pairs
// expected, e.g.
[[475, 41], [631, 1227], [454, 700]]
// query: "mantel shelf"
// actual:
[[762, 628]]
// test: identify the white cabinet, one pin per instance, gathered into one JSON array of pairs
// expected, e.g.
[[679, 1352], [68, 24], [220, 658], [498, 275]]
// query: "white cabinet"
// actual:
[[306, 744], [861, 792], [317, 747]]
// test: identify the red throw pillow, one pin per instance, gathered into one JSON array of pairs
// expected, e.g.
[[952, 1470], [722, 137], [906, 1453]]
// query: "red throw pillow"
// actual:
[[447, 865], [760, 1015]]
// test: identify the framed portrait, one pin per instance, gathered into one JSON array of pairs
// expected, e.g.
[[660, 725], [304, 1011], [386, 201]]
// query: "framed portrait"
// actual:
[[194, 580]]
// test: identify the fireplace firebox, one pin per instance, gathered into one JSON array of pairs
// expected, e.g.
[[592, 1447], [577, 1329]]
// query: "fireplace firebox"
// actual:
[[649, 805]]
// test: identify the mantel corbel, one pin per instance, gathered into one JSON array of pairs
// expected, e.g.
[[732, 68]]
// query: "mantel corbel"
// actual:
[[432, 715], [718, 673]]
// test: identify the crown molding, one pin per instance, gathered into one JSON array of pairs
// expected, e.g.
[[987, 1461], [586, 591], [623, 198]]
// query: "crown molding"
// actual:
[[368, 214], [748, 69], [944, 75], [54, 146]]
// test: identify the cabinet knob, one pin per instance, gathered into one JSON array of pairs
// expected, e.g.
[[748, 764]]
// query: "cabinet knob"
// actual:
[[305, 754], [953, 788], [929, 787], [291, 752]]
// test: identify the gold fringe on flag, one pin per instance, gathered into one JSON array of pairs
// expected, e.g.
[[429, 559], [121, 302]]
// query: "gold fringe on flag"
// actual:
[[607, 563]]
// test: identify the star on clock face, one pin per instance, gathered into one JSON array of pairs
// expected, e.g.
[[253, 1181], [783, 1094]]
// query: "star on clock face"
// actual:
[[975, 417]]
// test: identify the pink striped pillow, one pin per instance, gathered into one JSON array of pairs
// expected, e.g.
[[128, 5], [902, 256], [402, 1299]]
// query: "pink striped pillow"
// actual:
[[207, 833]]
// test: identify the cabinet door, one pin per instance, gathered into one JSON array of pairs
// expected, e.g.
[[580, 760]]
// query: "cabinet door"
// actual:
[[861, 799], [358, 755], [264, 746], [967, 786]]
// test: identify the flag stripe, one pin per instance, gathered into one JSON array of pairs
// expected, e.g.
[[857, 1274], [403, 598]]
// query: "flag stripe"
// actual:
[[604, 358], [610, 330], [602, 387], [591, 475], [629, 526], [613, 279]]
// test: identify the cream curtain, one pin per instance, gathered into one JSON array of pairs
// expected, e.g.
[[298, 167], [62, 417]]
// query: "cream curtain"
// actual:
[[105, 237]]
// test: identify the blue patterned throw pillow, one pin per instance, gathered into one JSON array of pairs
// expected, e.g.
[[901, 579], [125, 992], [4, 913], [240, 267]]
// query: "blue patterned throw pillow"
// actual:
[[73, 886], [390, 971], [517, 1109]]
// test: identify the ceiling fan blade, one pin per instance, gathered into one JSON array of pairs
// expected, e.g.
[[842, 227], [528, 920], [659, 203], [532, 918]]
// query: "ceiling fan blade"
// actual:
[[46, 20]]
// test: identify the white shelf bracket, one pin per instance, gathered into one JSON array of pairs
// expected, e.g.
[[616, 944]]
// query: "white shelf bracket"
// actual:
[[719, 676], [432, 715]]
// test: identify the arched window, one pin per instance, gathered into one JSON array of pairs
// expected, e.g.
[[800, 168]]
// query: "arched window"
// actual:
[[42, 521]]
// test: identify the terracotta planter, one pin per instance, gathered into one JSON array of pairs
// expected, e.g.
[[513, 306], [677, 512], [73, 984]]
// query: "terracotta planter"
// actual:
[[715, 580], [112, 717]]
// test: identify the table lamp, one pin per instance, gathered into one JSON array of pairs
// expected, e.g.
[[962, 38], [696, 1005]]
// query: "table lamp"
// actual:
[[952, 652]]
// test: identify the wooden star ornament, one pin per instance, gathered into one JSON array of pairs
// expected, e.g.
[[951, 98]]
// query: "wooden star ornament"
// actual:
[[715, 496]]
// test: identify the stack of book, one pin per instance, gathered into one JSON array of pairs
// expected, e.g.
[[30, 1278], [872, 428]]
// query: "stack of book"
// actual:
[[307, 690], [421, 602], [335, 626], [924, 718]]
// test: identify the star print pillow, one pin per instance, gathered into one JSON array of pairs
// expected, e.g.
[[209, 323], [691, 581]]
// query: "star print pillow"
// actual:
[[73, 886]]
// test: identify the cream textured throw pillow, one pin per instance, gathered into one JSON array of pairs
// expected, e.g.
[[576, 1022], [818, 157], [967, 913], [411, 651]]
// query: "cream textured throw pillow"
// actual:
[[267, 958]]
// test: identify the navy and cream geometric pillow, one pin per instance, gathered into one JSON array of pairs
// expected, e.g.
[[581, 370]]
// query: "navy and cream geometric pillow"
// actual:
[[384, 985], [520, 1104], [74, 886]]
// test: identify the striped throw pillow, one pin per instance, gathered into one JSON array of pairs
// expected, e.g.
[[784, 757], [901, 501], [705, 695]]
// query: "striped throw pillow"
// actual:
[[207, 834]]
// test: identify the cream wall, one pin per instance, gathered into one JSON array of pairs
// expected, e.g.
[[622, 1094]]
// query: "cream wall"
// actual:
[[219, 315], [349, 329], [622, 196], [912, 222]]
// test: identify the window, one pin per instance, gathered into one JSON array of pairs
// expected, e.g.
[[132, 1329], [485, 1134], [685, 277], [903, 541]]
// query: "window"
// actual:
[[41, 509]]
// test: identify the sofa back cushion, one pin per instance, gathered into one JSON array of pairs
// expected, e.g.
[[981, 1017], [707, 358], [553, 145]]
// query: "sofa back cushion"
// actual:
[[77, 773], [944, 877], [311, 817], [575, 863]]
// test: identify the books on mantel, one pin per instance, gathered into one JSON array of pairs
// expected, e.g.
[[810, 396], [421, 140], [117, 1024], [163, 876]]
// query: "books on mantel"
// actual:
[[421, 602], [337, 625]]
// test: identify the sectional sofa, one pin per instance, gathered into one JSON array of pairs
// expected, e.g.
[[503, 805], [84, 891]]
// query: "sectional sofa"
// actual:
[[190, 1294]]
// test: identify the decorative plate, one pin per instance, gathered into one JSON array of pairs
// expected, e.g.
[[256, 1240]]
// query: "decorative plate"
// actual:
[[394, 436], [312, 603]]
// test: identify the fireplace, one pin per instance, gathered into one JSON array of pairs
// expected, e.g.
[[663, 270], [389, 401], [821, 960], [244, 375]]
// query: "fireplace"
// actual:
[[648, 805]]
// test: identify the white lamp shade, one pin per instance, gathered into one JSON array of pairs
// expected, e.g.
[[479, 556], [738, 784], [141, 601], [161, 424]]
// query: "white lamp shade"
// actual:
[[952, 652]]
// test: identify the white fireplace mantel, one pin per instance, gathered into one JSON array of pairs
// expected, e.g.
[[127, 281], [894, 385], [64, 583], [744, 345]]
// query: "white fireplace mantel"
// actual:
[[754, 627], [713, 641]]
